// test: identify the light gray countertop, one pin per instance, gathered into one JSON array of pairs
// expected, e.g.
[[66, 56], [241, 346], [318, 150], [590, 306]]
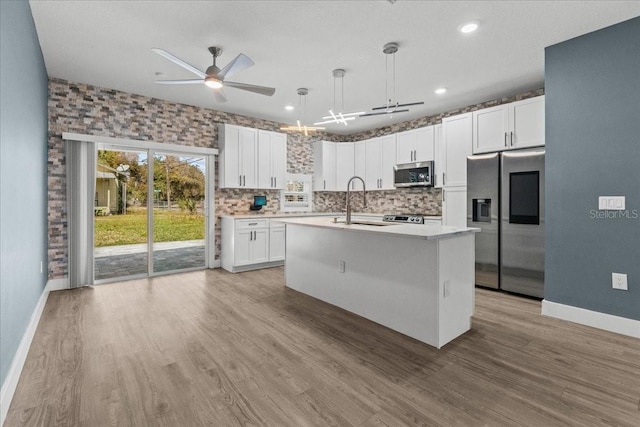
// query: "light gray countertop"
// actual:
[[313, 214], [426, 231]]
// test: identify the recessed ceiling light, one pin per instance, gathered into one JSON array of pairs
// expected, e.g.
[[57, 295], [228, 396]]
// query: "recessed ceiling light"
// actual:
[[469, 27], [440, 90], [288, 107]]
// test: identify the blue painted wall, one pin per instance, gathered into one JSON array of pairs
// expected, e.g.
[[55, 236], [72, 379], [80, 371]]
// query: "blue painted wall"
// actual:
[[592, 87], [23, 175]]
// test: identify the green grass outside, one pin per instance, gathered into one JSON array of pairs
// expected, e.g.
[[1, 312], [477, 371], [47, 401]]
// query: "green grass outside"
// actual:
[[170, 226]]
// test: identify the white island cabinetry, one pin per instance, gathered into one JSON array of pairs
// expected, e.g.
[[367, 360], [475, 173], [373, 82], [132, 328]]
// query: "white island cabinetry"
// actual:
[[417, 280]]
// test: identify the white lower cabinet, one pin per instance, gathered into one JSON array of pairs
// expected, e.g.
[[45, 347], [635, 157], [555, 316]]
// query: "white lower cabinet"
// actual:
[[277, 237], [454, 206], [249, 244]]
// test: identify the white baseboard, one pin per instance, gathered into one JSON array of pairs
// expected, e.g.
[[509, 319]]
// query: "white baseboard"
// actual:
[[58, 284], [595, 319], [11, 381]]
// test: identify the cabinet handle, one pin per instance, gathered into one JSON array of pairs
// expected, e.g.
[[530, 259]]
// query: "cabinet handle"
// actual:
[[275, 181], [505, 139], [512, 139], [324, 184], [254, 235], [443, 191], [443, 175], [240, 180]]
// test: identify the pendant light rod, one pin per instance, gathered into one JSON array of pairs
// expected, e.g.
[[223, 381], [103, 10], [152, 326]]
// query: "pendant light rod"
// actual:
[[339, 117], [391, 103]]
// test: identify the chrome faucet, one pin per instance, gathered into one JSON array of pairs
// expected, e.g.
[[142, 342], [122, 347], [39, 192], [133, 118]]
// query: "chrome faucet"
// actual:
[[364, 197]]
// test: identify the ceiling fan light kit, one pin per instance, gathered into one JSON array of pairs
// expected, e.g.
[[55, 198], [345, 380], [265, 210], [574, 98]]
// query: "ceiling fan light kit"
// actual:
[[214, 77]]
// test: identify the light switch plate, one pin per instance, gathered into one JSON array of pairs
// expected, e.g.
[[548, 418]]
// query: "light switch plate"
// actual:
[[611, 203], [619, 281]]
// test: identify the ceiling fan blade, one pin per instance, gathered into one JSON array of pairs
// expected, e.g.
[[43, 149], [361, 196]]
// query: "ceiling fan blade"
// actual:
[[239, 63], [382, 113], [179, 62], [219, 95], [399, 105], [180, 82], [262, 90]]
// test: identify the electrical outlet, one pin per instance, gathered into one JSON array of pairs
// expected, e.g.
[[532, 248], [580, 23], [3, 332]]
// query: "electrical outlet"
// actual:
[[611, 203], [619, 281], [446, 289], [341, 266]]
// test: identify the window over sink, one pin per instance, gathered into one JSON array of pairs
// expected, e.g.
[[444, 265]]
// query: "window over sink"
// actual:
[[297, 195]]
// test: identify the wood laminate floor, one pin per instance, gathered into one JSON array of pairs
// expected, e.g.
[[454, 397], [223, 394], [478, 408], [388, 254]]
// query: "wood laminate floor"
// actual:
[[212, 348]]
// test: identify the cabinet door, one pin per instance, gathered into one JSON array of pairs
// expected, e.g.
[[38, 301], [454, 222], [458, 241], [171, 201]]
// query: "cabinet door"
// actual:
[[454, 206], [265, 177], [490, 129], [260, 246], [406, 146], [278, 159], [388, 161], [345, 164], [527, 123], [324, 166], [359, 164], [276, 243], [425, 144], [248, 157], [373, 154], [439, 164], [242, 240], [230, 157], [456, 132]]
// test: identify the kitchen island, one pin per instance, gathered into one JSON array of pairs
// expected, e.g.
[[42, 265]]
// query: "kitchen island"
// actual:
[[415, 279]]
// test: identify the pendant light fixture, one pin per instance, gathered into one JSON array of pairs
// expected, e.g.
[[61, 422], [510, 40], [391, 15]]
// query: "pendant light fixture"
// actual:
[[339, 117], [302, 115], [392, 106]]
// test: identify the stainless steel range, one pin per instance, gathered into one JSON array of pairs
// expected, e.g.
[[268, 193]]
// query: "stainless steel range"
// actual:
[[405, 219]]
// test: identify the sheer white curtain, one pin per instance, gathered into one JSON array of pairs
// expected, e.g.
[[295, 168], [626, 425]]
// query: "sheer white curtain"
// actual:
[[81, 169]]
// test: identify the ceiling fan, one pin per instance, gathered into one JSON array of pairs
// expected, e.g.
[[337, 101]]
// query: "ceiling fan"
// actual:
[[214, 77]]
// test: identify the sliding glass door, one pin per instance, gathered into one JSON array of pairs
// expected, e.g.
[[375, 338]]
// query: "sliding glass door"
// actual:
[[178, 212], [120, 215], [133, 219]]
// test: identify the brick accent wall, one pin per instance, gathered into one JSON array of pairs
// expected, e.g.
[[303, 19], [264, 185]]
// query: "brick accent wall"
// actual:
[[81, 108]]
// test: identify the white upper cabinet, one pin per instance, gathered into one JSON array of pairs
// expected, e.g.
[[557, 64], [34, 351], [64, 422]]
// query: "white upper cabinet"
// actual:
[[360, 163], [272, 159], [238, 155], [439, 153], [345, 164], [457, 143], [380, 158], [504, 127], [490, 129], [324, 166], [527, 123], [416, 145]]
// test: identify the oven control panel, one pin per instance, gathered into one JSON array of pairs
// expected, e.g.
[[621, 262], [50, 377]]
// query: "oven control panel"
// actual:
[[406, 219]]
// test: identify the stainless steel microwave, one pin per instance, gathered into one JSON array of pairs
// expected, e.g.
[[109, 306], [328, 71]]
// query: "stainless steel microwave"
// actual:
[[417, 174]]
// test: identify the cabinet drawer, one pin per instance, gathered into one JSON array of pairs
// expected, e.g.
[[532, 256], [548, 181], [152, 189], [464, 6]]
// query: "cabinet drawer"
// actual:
[[243, 224]]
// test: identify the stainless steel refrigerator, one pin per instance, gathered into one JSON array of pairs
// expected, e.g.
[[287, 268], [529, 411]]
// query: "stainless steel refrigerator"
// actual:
[[505, 199]]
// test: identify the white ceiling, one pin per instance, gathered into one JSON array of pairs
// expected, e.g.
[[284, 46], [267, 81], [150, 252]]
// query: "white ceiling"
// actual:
[[298, 44]]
